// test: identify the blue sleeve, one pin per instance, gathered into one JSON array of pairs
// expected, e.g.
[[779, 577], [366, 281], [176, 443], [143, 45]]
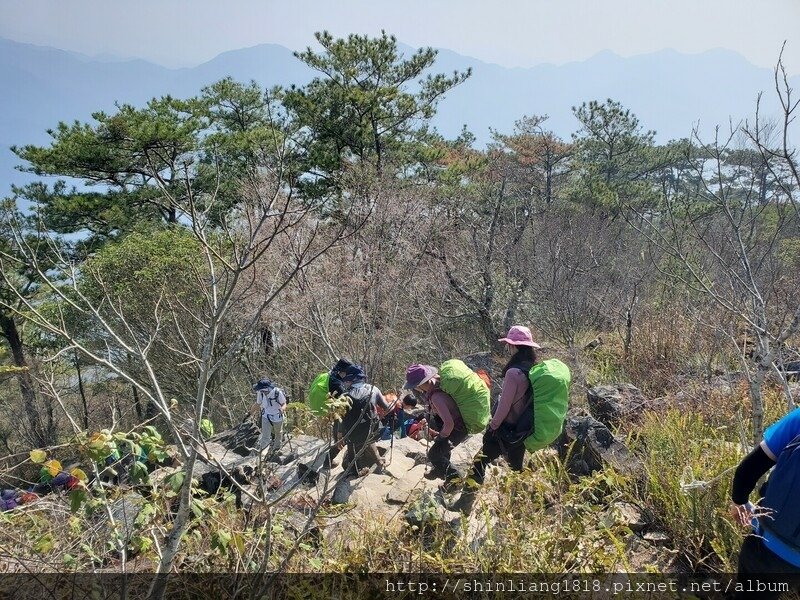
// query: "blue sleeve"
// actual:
[[780, 433]]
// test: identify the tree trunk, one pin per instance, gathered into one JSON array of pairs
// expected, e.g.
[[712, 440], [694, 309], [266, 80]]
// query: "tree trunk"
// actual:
[[39, 437], [82, 391], [758, 404]]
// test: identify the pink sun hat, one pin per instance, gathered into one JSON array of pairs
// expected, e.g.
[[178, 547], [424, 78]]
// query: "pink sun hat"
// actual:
[[519, 335]]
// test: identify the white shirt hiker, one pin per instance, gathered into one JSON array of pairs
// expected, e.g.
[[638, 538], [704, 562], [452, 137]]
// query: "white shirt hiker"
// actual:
[[272, 403]]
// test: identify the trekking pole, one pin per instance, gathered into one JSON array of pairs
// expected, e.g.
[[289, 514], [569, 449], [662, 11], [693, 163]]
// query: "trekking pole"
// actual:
[[391, 442]]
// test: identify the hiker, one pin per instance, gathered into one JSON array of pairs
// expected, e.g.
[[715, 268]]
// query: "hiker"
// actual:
[[360, 426], [501, 437], [447, 425], [271, 402], [327, 384], [772, 551]]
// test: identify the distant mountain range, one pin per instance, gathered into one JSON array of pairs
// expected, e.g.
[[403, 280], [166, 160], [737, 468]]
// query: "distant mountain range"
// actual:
[[668, 91]]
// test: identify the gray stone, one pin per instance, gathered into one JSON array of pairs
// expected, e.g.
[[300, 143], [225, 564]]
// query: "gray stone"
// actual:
[[242, 439], [342, 492], [587, 445], [656, 537], [631, 515], [124, 511], [616, 404]]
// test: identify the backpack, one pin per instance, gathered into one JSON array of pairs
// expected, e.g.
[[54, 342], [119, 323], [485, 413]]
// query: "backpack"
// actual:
[[550, 380], [318, 395], [362, 409], [469, 392], [783, 491]]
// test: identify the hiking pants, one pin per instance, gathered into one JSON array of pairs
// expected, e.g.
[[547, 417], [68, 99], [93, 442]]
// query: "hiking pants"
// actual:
[[760, 566], [441, 450], [271, 434], [361, 448], [493, 448]]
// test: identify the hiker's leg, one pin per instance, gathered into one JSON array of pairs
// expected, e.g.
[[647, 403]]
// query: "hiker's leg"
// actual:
[[266, 433], [452, 475], [758, 565], [349, 460], [277, 436], [439, 455], [373, 457], [515, 454], [489, 451], [334, 450]]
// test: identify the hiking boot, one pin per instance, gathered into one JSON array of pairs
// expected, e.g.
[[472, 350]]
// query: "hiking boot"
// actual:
[[450, 485], [435, 474]]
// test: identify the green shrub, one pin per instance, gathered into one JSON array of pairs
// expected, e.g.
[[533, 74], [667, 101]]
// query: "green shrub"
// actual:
[[688, 469]]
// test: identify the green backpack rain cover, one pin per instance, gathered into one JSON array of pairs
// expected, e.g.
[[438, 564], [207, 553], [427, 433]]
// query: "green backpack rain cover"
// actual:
[[318, 395], [550, 381], [469, 393]]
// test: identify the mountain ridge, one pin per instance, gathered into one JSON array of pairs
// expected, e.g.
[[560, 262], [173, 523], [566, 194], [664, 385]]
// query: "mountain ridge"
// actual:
[[668, 90]]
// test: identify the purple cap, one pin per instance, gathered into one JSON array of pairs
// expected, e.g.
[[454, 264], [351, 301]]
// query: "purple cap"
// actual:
[[416, 375], [519, 335]]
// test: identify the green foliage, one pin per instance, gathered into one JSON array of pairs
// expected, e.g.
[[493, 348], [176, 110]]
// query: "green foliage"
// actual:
[[206, 428], [613, 155], [362, 110], [688, 466]]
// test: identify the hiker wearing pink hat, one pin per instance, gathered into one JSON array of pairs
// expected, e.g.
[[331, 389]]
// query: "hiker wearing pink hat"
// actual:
[[447, 423], [501, 437], [519, 335]]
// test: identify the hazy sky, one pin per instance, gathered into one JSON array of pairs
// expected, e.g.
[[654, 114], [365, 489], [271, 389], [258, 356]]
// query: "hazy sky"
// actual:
[[508, 32]]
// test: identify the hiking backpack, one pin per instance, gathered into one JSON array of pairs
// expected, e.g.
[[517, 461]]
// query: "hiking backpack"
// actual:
[[318, 395], [783, 492], [469, 392], [550, 380], [362, 408]]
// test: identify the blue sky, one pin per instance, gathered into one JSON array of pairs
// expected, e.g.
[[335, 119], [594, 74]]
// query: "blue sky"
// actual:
[[508, 32]]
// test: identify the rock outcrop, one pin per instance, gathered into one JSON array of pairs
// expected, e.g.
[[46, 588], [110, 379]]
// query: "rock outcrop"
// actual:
[[587, 445], [616, 404]]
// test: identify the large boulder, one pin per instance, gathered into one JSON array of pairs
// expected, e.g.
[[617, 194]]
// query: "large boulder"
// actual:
[[587, 445], [300, 460], [617, 403], [241, 439]]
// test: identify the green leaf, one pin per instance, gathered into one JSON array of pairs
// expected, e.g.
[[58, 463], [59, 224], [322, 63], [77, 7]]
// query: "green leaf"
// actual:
[[206, 428], [139, 473], [44, 544], [38, 456], [76, 498], [175, 481], [220, 540]]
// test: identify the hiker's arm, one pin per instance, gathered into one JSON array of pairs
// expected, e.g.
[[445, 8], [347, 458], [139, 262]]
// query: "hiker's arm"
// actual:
[[444, 414], [749, 471], [514, 385], [380, 401], [282, 400]]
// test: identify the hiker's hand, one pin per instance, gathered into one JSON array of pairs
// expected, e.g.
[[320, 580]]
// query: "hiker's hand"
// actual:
[[340, 444], [741, 514]]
